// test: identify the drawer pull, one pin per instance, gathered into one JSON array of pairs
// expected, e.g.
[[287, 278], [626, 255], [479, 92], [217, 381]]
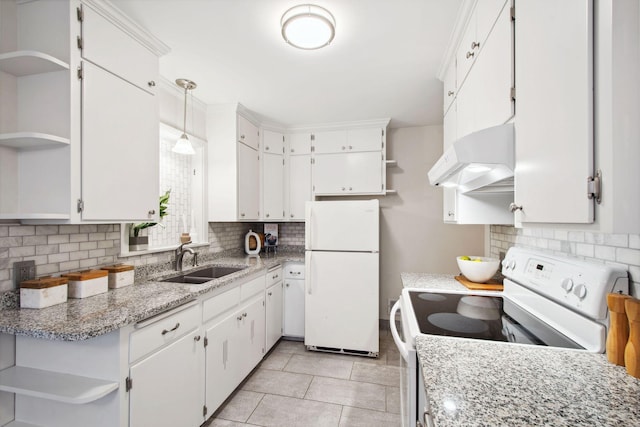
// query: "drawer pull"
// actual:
[[196, 338], [164, 331], [239, 317], [244, 314], [269, 293]]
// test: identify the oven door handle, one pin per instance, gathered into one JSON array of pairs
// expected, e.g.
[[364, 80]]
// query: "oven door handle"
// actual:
[[402, 346]]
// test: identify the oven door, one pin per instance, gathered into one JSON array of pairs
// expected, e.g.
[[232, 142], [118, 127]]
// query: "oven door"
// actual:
[[408, 363]]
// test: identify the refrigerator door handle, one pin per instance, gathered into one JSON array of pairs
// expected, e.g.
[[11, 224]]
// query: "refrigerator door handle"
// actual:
[[310, 281]]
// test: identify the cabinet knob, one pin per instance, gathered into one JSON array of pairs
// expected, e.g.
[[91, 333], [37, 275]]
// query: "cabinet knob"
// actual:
[[239, 317], [287, 285], [450, 213], [470, 54], [269, 293], [475, 45], [293, 151], [344, 148], [343, 188], [513, 207], [266, 148], [196, 338], [242, 136], [450, 93], [152, 212], [242, 215], [151, 83], [244, 314], [291, 215], [350, 188], [267, 215], [350, 147]]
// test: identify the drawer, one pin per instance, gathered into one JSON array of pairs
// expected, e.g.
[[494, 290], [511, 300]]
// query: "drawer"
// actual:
[[220, 303], [252, 288], [294, 270], [158, 331], [273, 276]]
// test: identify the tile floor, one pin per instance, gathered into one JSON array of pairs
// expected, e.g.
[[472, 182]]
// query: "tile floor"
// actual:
[[293, 387]]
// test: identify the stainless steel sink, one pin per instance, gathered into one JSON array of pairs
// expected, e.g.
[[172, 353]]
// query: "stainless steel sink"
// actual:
[[204, 274]]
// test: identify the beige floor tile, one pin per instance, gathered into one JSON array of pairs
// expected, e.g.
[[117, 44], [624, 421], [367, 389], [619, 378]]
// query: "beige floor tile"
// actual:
[[280, 411], [322, 365], [393, 399], [240, 406], [393, 357], [345, 392], [376, 374], [286, 346], [277, 382], [357, 417], [276, 361]]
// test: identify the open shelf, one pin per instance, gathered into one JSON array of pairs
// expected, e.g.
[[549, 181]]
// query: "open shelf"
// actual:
[[22, 140], [28, 62], [391, 163], [55, 386], [391, 192]]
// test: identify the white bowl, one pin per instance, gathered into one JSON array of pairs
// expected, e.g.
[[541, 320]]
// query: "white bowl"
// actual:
[[478, 271]]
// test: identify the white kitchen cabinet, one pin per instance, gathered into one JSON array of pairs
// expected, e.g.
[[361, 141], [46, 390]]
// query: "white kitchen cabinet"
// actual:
[[293, 310], [298, 175], [233, 165], [349, 162], [165, 390], [450, 88], [56, 111], [273, 307], [554, 124], [485, 99], [272, 171]]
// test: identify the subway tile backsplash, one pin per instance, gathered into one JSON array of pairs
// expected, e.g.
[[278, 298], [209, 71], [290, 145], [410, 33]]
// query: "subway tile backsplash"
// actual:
[[616, 249], [58, 249]]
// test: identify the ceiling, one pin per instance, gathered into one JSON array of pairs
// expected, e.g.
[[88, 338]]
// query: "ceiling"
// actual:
[[382, 63]]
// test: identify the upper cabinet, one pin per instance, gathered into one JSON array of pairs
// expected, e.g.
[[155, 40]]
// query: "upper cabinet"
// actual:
[[272, 167], [554, 123], [298, 175], [75, 100], [350, 161], [234, 165]]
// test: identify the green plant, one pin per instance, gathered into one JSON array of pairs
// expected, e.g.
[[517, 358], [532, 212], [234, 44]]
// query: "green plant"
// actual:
[[164, 200]]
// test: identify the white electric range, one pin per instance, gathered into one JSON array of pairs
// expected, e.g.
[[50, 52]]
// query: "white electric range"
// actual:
[[547, 300]]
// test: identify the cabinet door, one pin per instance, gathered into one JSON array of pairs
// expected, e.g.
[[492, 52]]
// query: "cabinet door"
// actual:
[[487, 11], [466, 107], [251, 336], [273, 303], [449, 205], [272, 185], [450, 88], [350, 173], [248, 182], [554, 128], [364, 139], [299, 182], [293, 317], [272, 142], [247, 132], [467, 52], [449, 126], [330, 142], [221, 362], [166, 389], [108, 46], [299, 143], [120, 149]]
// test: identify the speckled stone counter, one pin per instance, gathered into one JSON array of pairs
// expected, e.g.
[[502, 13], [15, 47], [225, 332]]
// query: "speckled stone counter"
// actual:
[[80, 319], [482, 383], [445, 282]]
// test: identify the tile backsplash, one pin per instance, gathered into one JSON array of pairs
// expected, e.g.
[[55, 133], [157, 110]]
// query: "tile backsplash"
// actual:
[[60, 249], [616, 249]]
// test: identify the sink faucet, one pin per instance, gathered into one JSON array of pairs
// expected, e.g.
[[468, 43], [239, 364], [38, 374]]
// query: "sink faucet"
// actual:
[[180, 254]]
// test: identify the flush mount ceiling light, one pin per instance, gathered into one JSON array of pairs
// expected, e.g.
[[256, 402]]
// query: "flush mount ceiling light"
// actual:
[[308, 26], [183, 145]]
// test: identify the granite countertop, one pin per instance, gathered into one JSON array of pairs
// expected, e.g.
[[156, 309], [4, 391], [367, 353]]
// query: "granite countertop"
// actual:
[[445, 282], [484, 383], [80, 319]]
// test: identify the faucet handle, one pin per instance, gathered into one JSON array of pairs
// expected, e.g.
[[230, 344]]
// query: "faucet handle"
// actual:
[[195, 259]]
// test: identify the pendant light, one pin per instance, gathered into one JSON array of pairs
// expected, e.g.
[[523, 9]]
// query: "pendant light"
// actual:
[[308, 26], [183, 145]]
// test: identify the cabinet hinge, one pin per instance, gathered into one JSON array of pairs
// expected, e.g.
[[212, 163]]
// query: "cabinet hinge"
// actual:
[[206, 341], [80, 205], [204, 411], [80, 72], [313, 149], [80, 14], [79, 42], [283, 141], [382, 132], [594, 186], [128, 384], [382, 145], [512, 12], [282, 214], [283, 161], [313, 161], [513, 93], [263, 303], [313, 137], [314, 188]]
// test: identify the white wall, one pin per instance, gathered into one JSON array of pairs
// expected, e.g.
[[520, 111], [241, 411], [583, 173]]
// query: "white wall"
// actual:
[[413, 235]]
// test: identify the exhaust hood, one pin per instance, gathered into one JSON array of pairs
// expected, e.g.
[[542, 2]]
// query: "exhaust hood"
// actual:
[[482, 161]]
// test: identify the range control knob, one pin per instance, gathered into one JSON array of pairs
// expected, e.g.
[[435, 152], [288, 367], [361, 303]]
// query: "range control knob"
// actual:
[[580, 291], [505, 263], [567, 285], [512, 264]]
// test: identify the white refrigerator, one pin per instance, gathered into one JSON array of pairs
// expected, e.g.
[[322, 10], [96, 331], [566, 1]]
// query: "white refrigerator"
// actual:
[[342, 276]]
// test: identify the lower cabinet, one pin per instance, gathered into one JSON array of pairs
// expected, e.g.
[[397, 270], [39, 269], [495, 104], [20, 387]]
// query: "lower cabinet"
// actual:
[[273, 302], [293, 312], [166, 391]]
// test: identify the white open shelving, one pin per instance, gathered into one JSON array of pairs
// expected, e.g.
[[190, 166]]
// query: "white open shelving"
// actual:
[[29, 140], [28, 62], [55, 386]]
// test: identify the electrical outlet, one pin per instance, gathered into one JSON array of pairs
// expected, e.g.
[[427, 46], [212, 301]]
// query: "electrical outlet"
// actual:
[[24, 270]]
